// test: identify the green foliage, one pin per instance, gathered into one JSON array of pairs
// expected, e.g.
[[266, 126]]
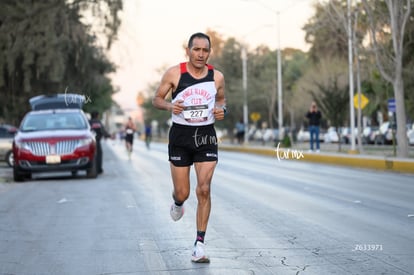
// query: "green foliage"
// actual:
[[228, 60], [408, 63], [47, 49], [286, 142], [325, 31], [262, 73], [152, 113], [327, 84]]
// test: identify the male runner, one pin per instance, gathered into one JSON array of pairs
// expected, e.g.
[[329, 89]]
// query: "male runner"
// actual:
[[197, 101]]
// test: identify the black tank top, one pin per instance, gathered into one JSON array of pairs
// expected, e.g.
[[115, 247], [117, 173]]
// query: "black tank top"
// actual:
[[199, 96]]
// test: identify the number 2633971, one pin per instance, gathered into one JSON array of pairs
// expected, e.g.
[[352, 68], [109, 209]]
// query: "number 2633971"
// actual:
[[368, 247]]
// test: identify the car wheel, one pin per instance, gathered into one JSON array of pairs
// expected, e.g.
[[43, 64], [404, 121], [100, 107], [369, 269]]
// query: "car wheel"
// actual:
[[92, 171], [10, 159], [17, 174]]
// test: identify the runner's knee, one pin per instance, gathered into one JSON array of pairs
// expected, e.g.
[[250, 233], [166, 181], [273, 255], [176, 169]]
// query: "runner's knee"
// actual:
[[203, 190], [181, 194]]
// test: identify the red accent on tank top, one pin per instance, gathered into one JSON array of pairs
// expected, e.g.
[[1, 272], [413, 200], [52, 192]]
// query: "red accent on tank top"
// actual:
[[183, 67]]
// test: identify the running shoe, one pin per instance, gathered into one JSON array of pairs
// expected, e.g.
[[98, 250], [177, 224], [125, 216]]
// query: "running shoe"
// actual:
[[199, 255], [176, 212]]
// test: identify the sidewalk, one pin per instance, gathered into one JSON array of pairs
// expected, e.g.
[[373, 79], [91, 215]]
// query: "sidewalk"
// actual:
[[373, 157]]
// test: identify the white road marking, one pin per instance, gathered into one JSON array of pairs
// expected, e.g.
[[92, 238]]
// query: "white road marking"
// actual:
[[62, 200]]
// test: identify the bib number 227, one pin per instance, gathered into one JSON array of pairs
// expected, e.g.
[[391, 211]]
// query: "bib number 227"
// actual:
[[195, 113]]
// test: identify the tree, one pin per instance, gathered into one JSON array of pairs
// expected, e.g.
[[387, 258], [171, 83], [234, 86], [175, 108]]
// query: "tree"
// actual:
[[325, 33], [217, 43], [262, 79], [151, 113], [46, 48], [327, 84], [227, 59], [387, 29], [295, 66], [408, 71]]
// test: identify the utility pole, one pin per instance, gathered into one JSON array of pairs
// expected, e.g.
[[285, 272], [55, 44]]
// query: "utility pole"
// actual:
[[245, 108], [351, 79], [279, 79]]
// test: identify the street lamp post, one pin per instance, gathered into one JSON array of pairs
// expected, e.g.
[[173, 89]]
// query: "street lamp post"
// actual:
[[279, 79], [245, 108]]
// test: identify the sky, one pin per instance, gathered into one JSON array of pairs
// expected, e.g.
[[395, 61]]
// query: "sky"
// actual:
[[152, 33]]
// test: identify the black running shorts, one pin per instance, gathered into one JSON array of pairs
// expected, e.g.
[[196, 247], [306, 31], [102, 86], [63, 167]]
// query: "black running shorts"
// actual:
[[189, 144], [129, 138]]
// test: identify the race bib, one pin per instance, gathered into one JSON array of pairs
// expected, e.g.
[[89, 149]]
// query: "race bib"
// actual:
[[196, 113], [129, 131]]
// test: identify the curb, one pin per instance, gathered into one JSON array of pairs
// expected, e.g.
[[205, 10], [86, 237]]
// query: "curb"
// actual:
[[358, 161]]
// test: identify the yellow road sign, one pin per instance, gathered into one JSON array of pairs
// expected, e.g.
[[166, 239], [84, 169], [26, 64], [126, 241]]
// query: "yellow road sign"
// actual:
[[364, 101], [255, 116]]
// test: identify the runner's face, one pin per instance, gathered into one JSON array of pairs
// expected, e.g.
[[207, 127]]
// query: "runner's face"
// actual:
[[199, 52]]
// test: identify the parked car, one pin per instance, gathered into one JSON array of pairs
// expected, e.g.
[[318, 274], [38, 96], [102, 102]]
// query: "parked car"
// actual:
[[410, 134], [346, 135], [304, 135], [7, 133], [331, 135], [57, 139], [383, 135], [368, 136], [263, 135]]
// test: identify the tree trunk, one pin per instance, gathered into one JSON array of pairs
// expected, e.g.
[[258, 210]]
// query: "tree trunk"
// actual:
[[402, 142]]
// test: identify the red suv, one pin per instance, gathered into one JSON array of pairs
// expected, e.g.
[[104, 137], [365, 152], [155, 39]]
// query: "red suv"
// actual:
[[54, 136]]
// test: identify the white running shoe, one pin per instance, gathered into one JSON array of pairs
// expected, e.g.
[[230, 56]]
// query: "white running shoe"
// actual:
[[199, 255], [176, 212]]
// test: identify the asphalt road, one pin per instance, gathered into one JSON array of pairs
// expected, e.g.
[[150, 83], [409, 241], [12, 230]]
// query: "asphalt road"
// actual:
[[268, 217]]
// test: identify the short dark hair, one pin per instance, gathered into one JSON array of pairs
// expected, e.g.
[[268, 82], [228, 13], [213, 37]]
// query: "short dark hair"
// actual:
[[198, 35], [94, 114]]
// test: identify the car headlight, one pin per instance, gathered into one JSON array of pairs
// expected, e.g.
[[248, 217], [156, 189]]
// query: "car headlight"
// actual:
[[85, 142], [22, 145]]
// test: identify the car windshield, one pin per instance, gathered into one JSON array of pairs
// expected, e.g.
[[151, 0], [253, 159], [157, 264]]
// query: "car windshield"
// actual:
[[53, 121]]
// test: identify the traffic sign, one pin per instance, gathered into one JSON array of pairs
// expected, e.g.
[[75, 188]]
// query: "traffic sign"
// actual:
[[391, 105], [255, 116], [364, 101]]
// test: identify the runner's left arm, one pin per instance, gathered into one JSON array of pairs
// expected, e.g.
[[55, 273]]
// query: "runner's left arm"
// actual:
[[220, 109]]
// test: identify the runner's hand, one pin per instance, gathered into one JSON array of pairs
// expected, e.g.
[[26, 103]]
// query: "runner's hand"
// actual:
[[177, 107], [218, 113]]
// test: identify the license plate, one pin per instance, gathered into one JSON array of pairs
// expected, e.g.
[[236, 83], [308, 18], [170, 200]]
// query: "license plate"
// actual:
[[52, 159]]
